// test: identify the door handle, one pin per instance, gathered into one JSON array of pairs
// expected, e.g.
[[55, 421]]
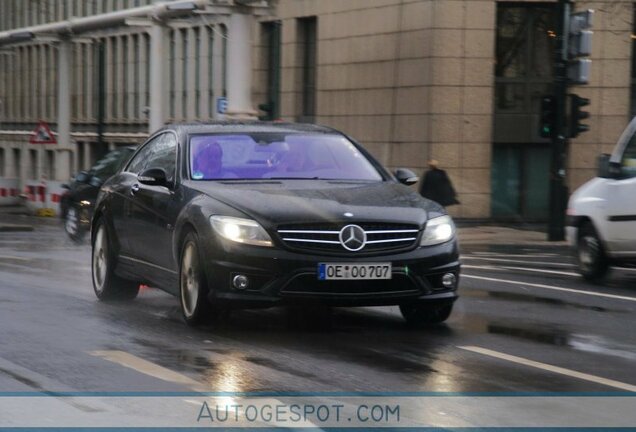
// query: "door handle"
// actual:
[[134, 189]]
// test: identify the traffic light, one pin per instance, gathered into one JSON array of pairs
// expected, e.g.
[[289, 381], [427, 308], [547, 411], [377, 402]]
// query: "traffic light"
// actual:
[[548, 117], [579, 44], [576, 115]]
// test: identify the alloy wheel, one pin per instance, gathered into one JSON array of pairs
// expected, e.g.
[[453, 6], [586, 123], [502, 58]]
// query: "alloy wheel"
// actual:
[[100, 259], [190, 283], [72, 221]]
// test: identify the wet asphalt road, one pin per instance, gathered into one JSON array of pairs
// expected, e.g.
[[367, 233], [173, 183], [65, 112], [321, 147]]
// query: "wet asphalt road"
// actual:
[[518, 301]]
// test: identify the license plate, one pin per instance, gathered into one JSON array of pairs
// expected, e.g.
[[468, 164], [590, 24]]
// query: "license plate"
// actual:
[[354, 271]]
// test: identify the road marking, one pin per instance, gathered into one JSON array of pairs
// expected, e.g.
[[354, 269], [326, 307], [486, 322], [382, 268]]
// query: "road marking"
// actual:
[[550, 287], [502, 268], [558, 264], [550, 368], [16, 258], [529, 255], [144, 366]]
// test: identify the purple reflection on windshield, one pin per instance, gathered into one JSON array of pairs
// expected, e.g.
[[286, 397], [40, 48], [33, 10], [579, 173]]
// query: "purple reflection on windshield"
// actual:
[[278, 156]]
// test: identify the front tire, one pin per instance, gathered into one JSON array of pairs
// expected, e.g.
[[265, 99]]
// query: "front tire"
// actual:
[[73, 224], [590, 254], [106, 284], [422, 314], [193, 286]]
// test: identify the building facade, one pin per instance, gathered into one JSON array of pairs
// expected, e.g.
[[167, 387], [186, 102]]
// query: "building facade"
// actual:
[[459, 81], [456, 80], [104, 70]]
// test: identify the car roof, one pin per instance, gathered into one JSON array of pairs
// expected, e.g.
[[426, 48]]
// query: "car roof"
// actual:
[[237, 126]]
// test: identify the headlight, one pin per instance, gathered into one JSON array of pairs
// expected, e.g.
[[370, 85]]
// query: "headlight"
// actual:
[[240, 230], [438, 230]]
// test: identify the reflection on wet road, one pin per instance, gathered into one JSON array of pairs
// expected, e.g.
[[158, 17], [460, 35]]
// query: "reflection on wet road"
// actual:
[[57, 336]]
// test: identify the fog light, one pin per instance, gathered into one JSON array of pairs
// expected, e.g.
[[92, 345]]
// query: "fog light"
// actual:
[[240, 282], [449, 280]]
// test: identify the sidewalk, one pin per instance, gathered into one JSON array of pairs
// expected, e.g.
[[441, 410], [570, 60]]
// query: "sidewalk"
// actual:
[[503, 235], [16, 219]]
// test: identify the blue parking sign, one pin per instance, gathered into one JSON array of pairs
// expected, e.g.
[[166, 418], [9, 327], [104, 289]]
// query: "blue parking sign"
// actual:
[[221, 105]]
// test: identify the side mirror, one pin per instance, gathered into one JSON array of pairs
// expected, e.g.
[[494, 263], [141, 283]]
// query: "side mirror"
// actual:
[[606, 168], [82, 177], [602, 165], [406, 176], [95, 181], [65, 186], [615, 170], [153, 177]]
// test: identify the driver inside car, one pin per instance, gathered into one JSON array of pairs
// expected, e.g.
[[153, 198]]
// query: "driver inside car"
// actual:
[[208, 162]]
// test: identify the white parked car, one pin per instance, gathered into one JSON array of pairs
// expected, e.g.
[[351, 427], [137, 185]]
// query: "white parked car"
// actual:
[[602, 212]]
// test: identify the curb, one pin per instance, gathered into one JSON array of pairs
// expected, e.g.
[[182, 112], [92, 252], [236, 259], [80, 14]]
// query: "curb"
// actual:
[[16, 228]]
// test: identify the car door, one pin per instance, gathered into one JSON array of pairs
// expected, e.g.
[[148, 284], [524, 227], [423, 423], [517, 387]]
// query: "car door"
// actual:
[[153, 212], [621, 202], [121, 202]]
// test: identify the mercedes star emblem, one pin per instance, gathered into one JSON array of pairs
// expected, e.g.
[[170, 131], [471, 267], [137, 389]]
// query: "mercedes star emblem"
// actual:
[[353, 238]]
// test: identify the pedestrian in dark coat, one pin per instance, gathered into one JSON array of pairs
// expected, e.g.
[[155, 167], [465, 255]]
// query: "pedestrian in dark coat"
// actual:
[[437, 186]]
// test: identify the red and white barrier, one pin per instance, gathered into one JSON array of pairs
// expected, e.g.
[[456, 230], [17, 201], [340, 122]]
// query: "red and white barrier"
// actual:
[[43, 194], [9, 191]]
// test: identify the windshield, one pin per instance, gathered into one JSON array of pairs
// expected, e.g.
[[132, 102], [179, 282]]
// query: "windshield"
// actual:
[[278, 156]]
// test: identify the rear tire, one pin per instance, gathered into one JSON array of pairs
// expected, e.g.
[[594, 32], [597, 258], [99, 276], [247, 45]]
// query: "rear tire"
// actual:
[[106, 284], [193, 284], [422, 314], [590, 254]]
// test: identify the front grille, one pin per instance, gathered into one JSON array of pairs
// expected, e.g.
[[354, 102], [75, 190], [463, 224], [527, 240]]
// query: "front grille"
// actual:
[[381, 237]]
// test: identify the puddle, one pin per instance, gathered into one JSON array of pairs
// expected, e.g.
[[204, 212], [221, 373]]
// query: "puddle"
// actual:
[[520, 297], [261, 361], [546, 336], [395, 363], [556, 337]]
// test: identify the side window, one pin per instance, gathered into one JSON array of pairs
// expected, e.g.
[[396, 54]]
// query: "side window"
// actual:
[[628, 161], [163, 155], [138, 162]]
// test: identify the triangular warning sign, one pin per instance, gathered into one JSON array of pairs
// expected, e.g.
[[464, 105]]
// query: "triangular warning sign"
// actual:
[[42, 134]]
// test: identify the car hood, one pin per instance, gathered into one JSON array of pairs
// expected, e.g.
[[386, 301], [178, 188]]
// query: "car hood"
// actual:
[[593, 190], [297, 201]]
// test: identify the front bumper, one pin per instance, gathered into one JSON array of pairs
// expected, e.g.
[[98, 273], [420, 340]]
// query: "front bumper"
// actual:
[[279, 276]]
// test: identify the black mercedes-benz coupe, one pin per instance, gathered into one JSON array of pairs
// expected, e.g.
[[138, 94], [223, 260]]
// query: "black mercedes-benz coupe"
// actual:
[[253, 214]]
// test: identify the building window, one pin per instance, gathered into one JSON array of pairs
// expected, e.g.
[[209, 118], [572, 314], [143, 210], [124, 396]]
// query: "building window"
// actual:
[[124, 78], [307, 46], [33, 164], [184, 73], [633, 89], [17, 161], [210, 95], [197, 72], [173, 73], [224, 34], [271, 36], [524, 72], [524, 69], [50, 164]]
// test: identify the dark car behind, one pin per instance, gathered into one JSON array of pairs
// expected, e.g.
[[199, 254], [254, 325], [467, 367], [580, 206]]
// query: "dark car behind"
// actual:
[[76, 205]]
